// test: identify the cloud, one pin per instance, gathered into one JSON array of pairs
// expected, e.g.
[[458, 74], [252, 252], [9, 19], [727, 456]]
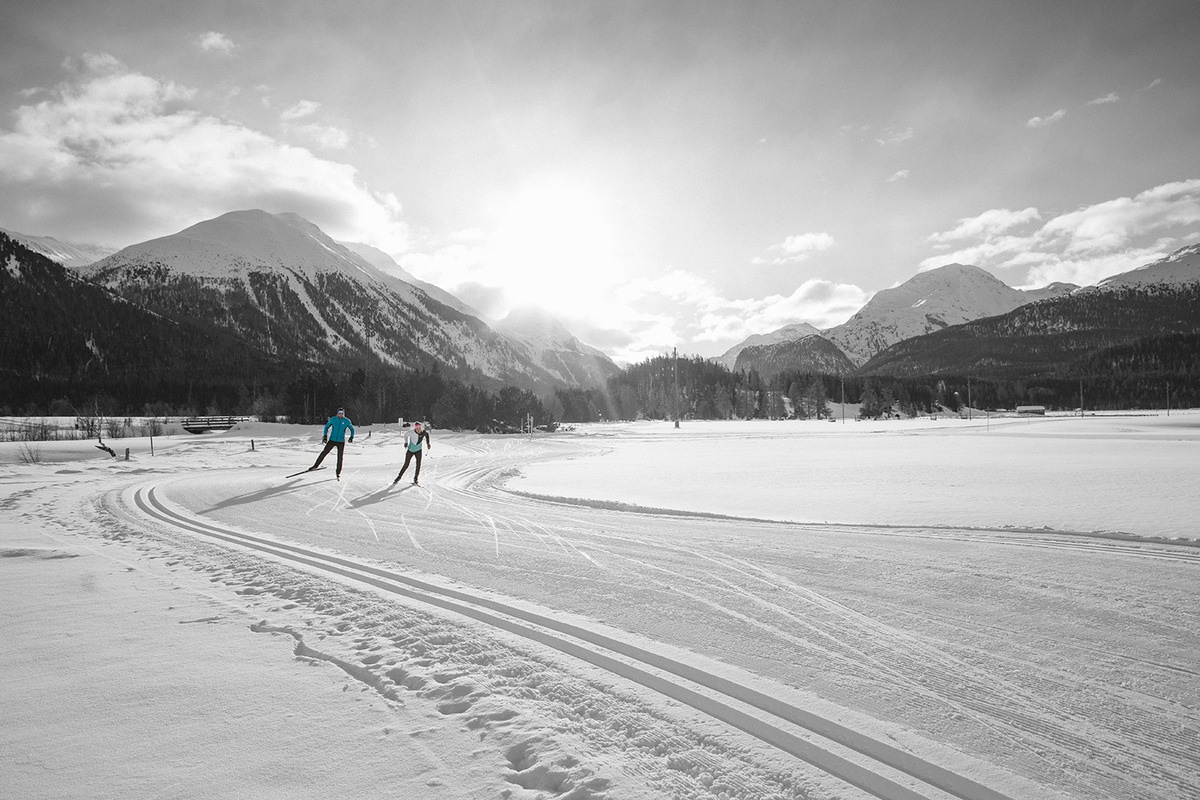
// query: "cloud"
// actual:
[[213, 42], [819, 302], [305, 108], [115, 156], [987, 224], [631, 318], [1111, 97], [797, 248], [1114, 224], [807, 243], [1081, 246], [895, 135], [898, 176], [1041, 122], [326, 136]]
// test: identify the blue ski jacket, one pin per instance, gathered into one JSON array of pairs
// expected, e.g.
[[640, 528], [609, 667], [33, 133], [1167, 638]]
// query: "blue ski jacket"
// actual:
[[335, 429]]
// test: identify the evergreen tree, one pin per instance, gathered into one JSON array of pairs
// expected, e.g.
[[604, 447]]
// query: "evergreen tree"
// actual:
[[816, 404]]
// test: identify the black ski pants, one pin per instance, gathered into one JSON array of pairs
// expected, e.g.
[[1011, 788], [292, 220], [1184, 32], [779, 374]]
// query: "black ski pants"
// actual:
[[408, 456], [341, 446]]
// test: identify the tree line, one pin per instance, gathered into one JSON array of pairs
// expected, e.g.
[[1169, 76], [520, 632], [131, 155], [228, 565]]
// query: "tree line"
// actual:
[[1164, 372], [307, 397]]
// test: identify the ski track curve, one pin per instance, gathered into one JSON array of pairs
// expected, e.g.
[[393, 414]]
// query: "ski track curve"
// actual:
[[1143, 745], [888, 771]]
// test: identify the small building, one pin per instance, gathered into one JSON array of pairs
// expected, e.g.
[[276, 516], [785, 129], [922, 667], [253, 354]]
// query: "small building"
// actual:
[[1038, 410]]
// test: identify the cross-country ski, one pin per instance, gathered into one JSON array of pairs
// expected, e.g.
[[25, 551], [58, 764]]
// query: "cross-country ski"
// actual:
[[305, 471]]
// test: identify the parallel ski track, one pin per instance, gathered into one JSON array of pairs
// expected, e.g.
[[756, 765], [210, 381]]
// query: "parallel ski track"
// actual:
[[881, 769]]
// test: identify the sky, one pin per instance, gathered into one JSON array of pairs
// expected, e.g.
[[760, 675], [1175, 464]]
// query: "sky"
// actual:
[[658, 175]]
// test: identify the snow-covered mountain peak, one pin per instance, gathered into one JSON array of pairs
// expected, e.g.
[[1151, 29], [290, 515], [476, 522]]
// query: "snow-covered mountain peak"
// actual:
[[1179, 268], [239, 242], [66, 253], [953, 280], [283, 284], [929, 301], [535, 322]]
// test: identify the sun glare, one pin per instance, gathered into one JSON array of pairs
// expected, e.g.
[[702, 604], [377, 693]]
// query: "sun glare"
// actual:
[[554, 247]]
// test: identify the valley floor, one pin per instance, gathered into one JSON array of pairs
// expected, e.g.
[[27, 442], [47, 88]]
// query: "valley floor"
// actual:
[[919, 609]]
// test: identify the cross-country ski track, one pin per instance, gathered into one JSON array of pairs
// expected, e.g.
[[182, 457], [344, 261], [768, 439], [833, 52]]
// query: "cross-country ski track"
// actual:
[[879, 768], [611, 650], [941, 694]]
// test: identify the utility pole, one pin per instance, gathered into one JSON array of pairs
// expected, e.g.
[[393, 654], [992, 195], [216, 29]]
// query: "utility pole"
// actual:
[[1168, 398], [1081, 397], [968, 397], [842, 379], [675, 353]]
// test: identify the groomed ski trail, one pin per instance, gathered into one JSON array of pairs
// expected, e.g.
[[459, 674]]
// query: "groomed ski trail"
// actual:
[[875, 766]]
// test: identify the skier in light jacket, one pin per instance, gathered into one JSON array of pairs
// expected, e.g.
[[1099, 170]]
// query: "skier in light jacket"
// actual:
[[413, 449], [333, 436]]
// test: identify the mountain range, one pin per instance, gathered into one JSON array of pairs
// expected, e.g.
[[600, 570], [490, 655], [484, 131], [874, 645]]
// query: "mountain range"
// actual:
[[69, 255], [276, 295], [284, 287], [935, 323], [1144, 321]]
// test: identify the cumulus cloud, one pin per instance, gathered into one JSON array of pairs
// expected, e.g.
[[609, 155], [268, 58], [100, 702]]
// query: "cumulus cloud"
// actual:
[[634, 318], [1114, 224], [1041, 122], [115, 156], [213, 42], [328, 137], [1081, 246], [797, 248], [986, 225], [819, 302], [305, 108], [898, 176], [1111, 97]]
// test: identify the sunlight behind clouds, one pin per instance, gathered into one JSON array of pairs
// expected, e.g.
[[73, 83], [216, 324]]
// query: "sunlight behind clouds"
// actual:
[[552, 246]]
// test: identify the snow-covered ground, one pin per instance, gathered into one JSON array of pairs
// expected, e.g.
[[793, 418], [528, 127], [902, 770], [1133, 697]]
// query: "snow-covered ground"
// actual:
[[1001, 608]]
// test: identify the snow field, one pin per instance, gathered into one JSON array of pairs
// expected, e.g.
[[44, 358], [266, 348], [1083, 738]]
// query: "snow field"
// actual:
[[1129, 474], [1029, 663]]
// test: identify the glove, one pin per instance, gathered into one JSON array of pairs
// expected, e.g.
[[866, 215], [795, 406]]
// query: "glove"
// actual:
[[351, 440], [324, 440]]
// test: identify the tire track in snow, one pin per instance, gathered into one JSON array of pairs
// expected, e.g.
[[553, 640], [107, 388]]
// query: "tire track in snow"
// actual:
[[878, 767]]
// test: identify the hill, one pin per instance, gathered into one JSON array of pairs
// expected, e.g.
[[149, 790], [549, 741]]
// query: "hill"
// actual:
[[812, 354]]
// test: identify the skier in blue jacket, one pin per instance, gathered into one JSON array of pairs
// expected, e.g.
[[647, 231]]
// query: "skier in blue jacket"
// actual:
[[333, 436]]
